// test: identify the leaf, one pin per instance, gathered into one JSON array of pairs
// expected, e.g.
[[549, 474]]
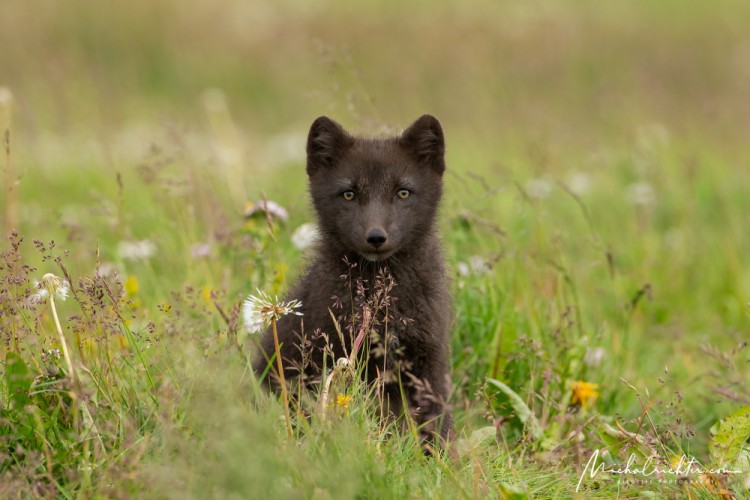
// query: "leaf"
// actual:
[[523, 412], [728, 437], [18, 378]]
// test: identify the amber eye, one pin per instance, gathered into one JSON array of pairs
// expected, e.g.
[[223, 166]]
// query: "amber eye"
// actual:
[[403, 193], [348, 195]]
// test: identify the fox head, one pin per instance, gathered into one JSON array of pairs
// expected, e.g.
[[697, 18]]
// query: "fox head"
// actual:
[[375, 197]]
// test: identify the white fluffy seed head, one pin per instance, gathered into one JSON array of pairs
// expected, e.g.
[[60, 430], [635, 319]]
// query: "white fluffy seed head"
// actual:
[[259, 310], [51, 285]]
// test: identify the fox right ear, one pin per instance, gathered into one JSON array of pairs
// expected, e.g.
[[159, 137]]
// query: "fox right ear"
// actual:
[[424, 138], [326, 142]]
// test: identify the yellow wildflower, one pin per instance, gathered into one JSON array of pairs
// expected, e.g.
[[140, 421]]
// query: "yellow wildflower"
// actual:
[[206, 295], [131, 285], [342, 401], [583, 393]]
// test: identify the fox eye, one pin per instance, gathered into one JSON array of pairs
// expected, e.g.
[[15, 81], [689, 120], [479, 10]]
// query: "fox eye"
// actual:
[[403, 193], [348, 195]]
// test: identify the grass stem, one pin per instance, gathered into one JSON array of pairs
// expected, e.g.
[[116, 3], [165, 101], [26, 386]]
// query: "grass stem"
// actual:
[[63, 343], [280, 366]]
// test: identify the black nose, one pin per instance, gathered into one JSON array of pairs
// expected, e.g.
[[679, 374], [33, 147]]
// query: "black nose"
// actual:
[[376, 238]]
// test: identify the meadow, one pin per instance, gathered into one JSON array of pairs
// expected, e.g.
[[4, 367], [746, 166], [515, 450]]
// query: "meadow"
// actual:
[[595, 222]]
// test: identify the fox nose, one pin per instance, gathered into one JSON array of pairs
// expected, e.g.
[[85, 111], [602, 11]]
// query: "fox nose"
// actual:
[[376, 238]]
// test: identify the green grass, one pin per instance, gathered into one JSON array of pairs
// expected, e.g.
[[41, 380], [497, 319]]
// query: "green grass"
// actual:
[[596, 194]]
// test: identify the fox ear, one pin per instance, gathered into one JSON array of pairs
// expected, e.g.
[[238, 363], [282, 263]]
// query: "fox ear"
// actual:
[[424, 139], [326, 141]]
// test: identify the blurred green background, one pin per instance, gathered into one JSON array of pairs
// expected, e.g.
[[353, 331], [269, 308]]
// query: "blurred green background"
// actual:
[[550, 74]]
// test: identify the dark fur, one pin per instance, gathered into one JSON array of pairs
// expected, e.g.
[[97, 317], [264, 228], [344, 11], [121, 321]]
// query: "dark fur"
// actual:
[[420, 311]]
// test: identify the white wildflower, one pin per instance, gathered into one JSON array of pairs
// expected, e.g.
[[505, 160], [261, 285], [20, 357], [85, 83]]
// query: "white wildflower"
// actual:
[[305, 236], [641, 193], [579, 183], [6, 96], [107, 270], [136, 250], [6, 103], [479, 265], [462, 268], [267, 207], [476, 266], [538, 188], [594, 357], [287, 148], [201, 250], [258, 311], [50, 285]]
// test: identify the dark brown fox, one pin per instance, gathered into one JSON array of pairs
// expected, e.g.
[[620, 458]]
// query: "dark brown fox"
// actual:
[[378, 266]]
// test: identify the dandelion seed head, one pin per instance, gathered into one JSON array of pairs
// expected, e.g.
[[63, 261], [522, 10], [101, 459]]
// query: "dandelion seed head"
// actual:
[[462, 268], [259, 310], [305, 236], [136, 250], [476, 266], [641, 193], [578, 182], [6, 101], [595, 356], [50, 285], [251, 318], [107, 269], [5, 96], [479, 265], [40, 295], [539, 188]]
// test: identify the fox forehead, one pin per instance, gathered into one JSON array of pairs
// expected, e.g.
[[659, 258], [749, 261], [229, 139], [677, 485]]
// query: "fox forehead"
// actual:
[[374, 178], [372, 164]]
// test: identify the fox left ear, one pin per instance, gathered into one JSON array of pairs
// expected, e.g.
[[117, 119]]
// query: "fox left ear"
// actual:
[[424, 139], [326, 142]]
